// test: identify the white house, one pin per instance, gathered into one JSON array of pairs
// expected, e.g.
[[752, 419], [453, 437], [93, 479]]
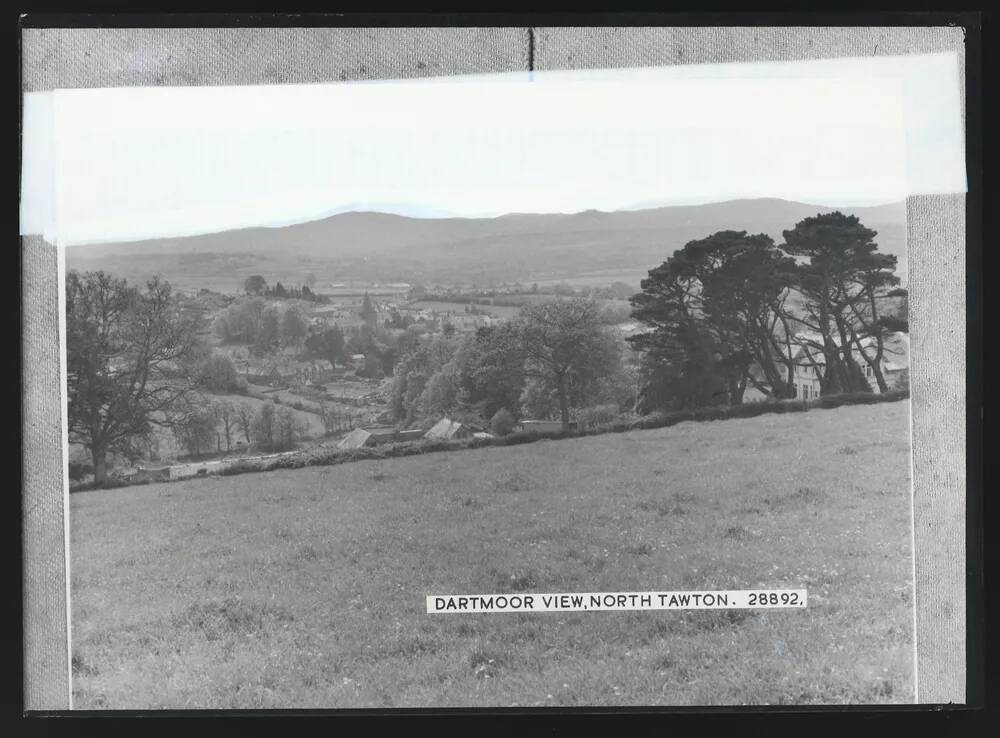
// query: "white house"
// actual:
[[810, 363]]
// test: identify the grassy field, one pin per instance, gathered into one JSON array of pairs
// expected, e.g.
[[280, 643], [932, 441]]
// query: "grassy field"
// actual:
[[305, 588]]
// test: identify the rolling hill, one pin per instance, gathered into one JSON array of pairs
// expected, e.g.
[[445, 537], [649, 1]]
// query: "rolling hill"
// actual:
[[375, 246]]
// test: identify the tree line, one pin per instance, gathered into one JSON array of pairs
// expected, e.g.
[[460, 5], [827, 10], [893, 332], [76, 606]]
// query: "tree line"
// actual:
[[263, 326], [257, 285], [551, 358], [202, 425], [734, 310]]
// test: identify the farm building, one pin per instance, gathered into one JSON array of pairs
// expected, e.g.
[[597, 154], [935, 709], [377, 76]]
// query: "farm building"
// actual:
[[382, 435], [357, 438], [361, 437], [410, 435], [272, 378], [447, 429]]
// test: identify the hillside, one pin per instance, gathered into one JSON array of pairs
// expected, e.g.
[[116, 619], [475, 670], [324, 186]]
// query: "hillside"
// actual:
[[372, 246], [305, 588]]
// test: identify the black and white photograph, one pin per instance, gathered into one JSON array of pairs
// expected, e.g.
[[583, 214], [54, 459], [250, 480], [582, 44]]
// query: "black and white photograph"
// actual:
[[579, 386]]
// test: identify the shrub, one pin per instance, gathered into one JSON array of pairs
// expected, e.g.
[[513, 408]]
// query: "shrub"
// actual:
[[79, 469], [592, 417], [240, 467], [502, 422], [219, 374], [110, 482]]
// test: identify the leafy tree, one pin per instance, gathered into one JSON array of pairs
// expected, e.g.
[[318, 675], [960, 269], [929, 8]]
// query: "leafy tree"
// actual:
[[413, 372], [368, 312], [244, 420], [538, 400], [333, 419], [270, 330], [840, 280], [327, 343], [502, 422], [565, 348], [408, 341], [713, 308], [443, 393], [218, 374], [255, 285], [492, 370], [288, 429], [672, 380], [262, 428], [125, 358], [227, 417], [294, 326], [372, 367], [275, 428], [240, 323], [193, 422], [620, 386]]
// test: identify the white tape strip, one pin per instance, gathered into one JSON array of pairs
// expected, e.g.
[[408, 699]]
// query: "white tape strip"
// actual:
[[132, 163]]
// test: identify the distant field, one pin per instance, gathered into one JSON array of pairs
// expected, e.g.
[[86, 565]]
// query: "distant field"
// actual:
[[499, 311], [600, 278], [505, 312], [305, 588]]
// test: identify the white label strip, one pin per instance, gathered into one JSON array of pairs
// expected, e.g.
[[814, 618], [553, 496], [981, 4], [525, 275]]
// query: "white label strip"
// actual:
[[732, 599]]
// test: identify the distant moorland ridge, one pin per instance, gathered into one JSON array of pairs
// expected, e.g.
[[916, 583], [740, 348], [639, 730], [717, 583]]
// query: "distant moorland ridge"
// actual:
[[375, 246]]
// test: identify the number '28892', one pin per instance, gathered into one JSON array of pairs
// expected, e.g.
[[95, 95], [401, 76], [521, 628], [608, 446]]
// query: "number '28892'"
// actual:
[[760, 599]]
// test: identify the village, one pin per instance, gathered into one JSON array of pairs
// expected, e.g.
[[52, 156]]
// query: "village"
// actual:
[[330, 357], [339, 394]]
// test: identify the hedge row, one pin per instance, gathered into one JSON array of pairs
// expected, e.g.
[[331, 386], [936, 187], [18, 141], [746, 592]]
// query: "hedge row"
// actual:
[[329, 457]]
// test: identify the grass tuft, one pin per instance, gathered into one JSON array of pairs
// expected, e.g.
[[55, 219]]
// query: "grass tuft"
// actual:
[[737, 533], [232, 616]]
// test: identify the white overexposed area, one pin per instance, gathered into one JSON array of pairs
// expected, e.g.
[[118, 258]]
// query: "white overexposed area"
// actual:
[[106, 165]]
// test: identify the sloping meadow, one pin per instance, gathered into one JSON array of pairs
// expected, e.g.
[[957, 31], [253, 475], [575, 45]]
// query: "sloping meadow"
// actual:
[[306, 587]]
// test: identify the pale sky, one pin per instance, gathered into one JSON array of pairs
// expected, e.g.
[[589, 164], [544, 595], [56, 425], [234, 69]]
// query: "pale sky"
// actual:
[[132, 163]]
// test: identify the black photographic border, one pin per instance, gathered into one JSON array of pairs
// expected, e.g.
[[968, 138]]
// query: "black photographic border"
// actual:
[[945, 719]]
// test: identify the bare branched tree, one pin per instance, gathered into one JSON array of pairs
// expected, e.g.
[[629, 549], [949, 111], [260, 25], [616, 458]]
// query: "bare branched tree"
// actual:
[[127, 361]]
